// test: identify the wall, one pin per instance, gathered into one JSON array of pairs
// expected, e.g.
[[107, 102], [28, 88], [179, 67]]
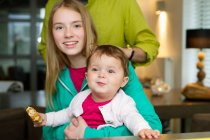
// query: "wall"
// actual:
[[169, 33]]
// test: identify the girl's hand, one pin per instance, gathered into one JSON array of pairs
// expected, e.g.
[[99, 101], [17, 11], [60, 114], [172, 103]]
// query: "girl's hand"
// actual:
[[149, 134], [76, 129]]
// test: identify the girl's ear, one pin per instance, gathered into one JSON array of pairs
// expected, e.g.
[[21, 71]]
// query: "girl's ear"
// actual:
[[125, 81]]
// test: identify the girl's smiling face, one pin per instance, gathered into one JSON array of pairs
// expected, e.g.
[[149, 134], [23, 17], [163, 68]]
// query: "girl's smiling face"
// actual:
[[68, 31]]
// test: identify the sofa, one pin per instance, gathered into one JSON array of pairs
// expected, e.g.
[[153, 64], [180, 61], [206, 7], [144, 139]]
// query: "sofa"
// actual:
[[16, 124]]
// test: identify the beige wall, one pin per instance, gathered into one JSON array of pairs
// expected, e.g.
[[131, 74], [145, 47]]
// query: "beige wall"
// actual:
[[169, 34]]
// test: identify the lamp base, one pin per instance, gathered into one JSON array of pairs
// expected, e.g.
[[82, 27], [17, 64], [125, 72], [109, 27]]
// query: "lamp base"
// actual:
[[196, 91]]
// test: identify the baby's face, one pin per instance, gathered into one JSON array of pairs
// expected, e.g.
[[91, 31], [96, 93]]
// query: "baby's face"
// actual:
[[105, 76]]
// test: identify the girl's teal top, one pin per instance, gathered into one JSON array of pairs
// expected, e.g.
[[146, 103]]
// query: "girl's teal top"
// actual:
[[66, 91]]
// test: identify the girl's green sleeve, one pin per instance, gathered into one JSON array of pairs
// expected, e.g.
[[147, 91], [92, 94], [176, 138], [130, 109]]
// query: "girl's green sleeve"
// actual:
[[107, 132]]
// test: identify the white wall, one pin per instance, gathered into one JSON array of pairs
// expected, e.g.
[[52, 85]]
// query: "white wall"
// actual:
[[169, 33]]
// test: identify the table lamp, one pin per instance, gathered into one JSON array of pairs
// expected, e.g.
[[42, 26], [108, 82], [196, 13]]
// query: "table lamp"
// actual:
[[198, 39]]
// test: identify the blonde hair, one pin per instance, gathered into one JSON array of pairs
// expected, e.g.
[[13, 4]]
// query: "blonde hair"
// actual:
[[111, 51], [56, 60]]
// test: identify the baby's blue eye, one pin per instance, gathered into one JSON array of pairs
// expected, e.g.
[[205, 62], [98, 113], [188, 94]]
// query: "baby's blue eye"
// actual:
[[111, 71], [94, 69]]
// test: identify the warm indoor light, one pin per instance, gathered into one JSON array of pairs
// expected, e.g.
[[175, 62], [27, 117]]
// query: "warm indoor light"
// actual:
[[160, 7], [198, 39]]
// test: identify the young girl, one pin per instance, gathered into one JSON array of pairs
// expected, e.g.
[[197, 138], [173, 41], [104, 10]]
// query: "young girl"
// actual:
[[105, 103], [71, 38]]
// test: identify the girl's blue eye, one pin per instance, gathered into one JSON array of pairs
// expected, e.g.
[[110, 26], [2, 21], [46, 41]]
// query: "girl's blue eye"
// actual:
[[58, 28], [77, 25]]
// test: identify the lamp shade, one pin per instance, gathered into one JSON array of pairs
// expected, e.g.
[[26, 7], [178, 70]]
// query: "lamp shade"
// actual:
[[198, 38]]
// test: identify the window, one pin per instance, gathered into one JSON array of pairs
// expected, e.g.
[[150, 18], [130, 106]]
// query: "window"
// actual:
[[20, 23], [196, 15]]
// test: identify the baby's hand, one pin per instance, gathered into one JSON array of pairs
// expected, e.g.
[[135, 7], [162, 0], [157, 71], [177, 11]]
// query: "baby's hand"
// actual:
[[44, 120], [38, 119], [149, 134]]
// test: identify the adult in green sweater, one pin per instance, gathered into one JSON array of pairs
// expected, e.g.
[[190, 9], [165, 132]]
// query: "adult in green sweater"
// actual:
[[119, 23], [61, 87]]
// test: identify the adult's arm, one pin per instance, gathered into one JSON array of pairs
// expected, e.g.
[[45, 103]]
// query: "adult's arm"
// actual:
[[138, 34]]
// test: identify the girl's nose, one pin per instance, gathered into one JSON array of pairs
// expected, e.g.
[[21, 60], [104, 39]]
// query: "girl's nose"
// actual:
[[68, 33]]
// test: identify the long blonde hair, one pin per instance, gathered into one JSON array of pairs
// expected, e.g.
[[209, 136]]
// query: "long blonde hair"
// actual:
[[56, 60]]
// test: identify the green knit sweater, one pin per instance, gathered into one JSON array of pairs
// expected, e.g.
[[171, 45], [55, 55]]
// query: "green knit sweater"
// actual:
[[118, 22]]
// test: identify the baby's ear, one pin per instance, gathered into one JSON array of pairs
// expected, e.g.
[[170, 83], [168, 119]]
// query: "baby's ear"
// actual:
[[125, 81]]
